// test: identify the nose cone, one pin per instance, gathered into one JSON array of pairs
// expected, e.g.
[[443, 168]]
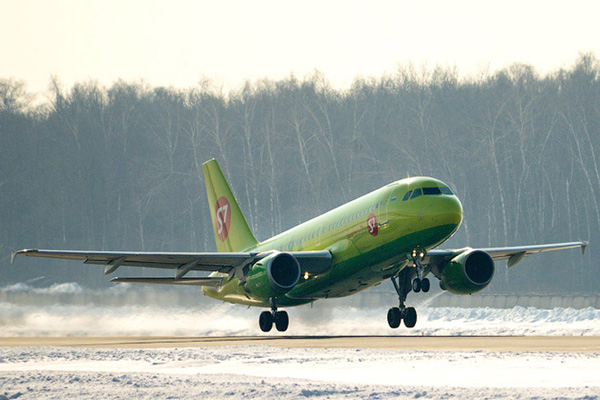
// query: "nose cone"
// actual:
[[449, 212]]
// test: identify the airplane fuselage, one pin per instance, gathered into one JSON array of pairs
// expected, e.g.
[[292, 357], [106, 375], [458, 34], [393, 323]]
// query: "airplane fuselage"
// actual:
[[371, 239]]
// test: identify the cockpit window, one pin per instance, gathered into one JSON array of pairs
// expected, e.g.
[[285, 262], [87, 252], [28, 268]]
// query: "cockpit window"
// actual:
[[432, 191], [427, 191], [416, 193]]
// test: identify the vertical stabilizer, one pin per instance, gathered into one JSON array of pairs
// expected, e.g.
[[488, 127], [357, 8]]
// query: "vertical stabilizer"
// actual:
[[230, 227]]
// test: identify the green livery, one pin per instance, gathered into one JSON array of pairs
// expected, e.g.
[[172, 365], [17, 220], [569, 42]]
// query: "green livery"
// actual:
[[391, 233]]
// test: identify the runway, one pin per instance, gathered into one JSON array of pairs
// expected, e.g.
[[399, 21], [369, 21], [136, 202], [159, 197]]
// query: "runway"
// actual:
[[563, 344]]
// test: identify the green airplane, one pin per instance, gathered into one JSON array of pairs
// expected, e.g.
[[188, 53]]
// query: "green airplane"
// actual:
[[390, 233]]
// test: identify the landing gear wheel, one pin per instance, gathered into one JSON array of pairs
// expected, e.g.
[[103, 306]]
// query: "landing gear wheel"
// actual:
[[394, 317], [410, 317], [425, 285], [282, 321], [402, 283], [265, 321], [416, 285]]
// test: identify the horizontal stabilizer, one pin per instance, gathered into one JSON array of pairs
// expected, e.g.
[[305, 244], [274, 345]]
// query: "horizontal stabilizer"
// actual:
[[209, 281]]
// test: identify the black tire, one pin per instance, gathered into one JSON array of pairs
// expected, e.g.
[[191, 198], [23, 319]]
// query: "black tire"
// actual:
[[282, 321], [425, 285], [265, 321], [416, 285], [410, 317], [394, 317]]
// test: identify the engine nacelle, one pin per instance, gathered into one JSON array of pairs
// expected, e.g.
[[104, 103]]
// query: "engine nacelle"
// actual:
[[274, 275], [467, 273]]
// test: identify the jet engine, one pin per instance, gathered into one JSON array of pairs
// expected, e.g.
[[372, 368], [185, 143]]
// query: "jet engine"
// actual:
[[467, 273], [274, 275]]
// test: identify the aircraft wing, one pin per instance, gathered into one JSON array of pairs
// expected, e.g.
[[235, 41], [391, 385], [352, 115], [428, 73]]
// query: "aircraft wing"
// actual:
[[512, 254], [227, 263]]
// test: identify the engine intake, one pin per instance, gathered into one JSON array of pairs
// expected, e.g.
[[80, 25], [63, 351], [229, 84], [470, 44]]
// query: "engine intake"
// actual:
[[467, 273], [274, 275]]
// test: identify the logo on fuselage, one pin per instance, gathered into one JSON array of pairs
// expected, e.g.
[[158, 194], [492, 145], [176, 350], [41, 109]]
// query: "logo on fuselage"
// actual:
[[223, 218], [372, 225]]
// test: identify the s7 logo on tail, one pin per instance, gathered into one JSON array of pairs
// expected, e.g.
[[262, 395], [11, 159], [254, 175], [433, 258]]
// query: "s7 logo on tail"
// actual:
[[223, 218]]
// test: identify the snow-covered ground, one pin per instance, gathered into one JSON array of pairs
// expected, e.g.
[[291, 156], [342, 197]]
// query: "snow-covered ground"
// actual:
[[264, 372]]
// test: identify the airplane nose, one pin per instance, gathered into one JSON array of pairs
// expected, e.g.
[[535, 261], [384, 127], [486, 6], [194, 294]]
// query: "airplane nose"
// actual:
[[451, 211], [447, 213]]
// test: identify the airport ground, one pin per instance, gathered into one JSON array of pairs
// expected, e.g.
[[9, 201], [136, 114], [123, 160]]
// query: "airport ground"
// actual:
[[569, 344]]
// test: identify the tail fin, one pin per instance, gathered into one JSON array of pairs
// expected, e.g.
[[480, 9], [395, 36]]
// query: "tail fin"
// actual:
[[231, 229]]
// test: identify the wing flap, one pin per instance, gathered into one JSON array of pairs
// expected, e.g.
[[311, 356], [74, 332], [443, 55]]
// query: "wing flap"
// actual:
[[313, 262], [208, 281], [219, 262]]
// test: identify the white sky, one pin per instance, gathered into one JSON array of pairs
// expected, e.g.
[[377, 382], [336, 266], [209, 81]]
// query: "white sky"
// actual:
[[177, 42]]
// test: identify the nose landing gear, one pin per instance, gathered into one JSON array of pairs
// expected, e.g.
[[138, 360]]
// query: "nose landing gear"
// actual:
[[419, 283]]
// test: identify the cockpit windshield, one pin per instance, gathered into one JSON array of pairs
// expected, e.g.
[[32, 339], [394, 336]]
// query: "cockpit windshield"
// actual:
[[427, 191]]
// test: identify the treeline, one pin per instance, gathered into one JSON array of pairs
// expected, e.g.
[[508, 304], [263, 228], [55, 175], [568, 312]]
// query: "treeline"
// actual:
[[119, 167]]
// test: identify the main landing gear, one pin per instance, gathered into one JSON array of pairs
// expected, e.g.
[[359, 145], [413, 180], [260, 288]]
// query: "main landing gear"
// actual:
[[279, 318], [402, 313]]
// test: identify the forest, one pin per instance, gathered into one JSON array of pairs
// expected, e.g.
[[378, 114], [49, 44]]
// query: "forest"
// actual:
[[119, 167]]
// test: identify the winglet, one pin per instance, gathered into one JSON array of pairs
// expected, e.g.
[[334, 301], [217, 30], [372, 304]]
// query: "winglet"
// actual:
[[13, 254], [583, 246]]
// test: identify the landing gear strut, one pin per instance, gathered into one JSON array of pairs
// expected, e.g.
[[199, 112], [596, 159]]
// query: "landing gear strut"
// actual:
[[419, 283], [267, 318], [402, 313]]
